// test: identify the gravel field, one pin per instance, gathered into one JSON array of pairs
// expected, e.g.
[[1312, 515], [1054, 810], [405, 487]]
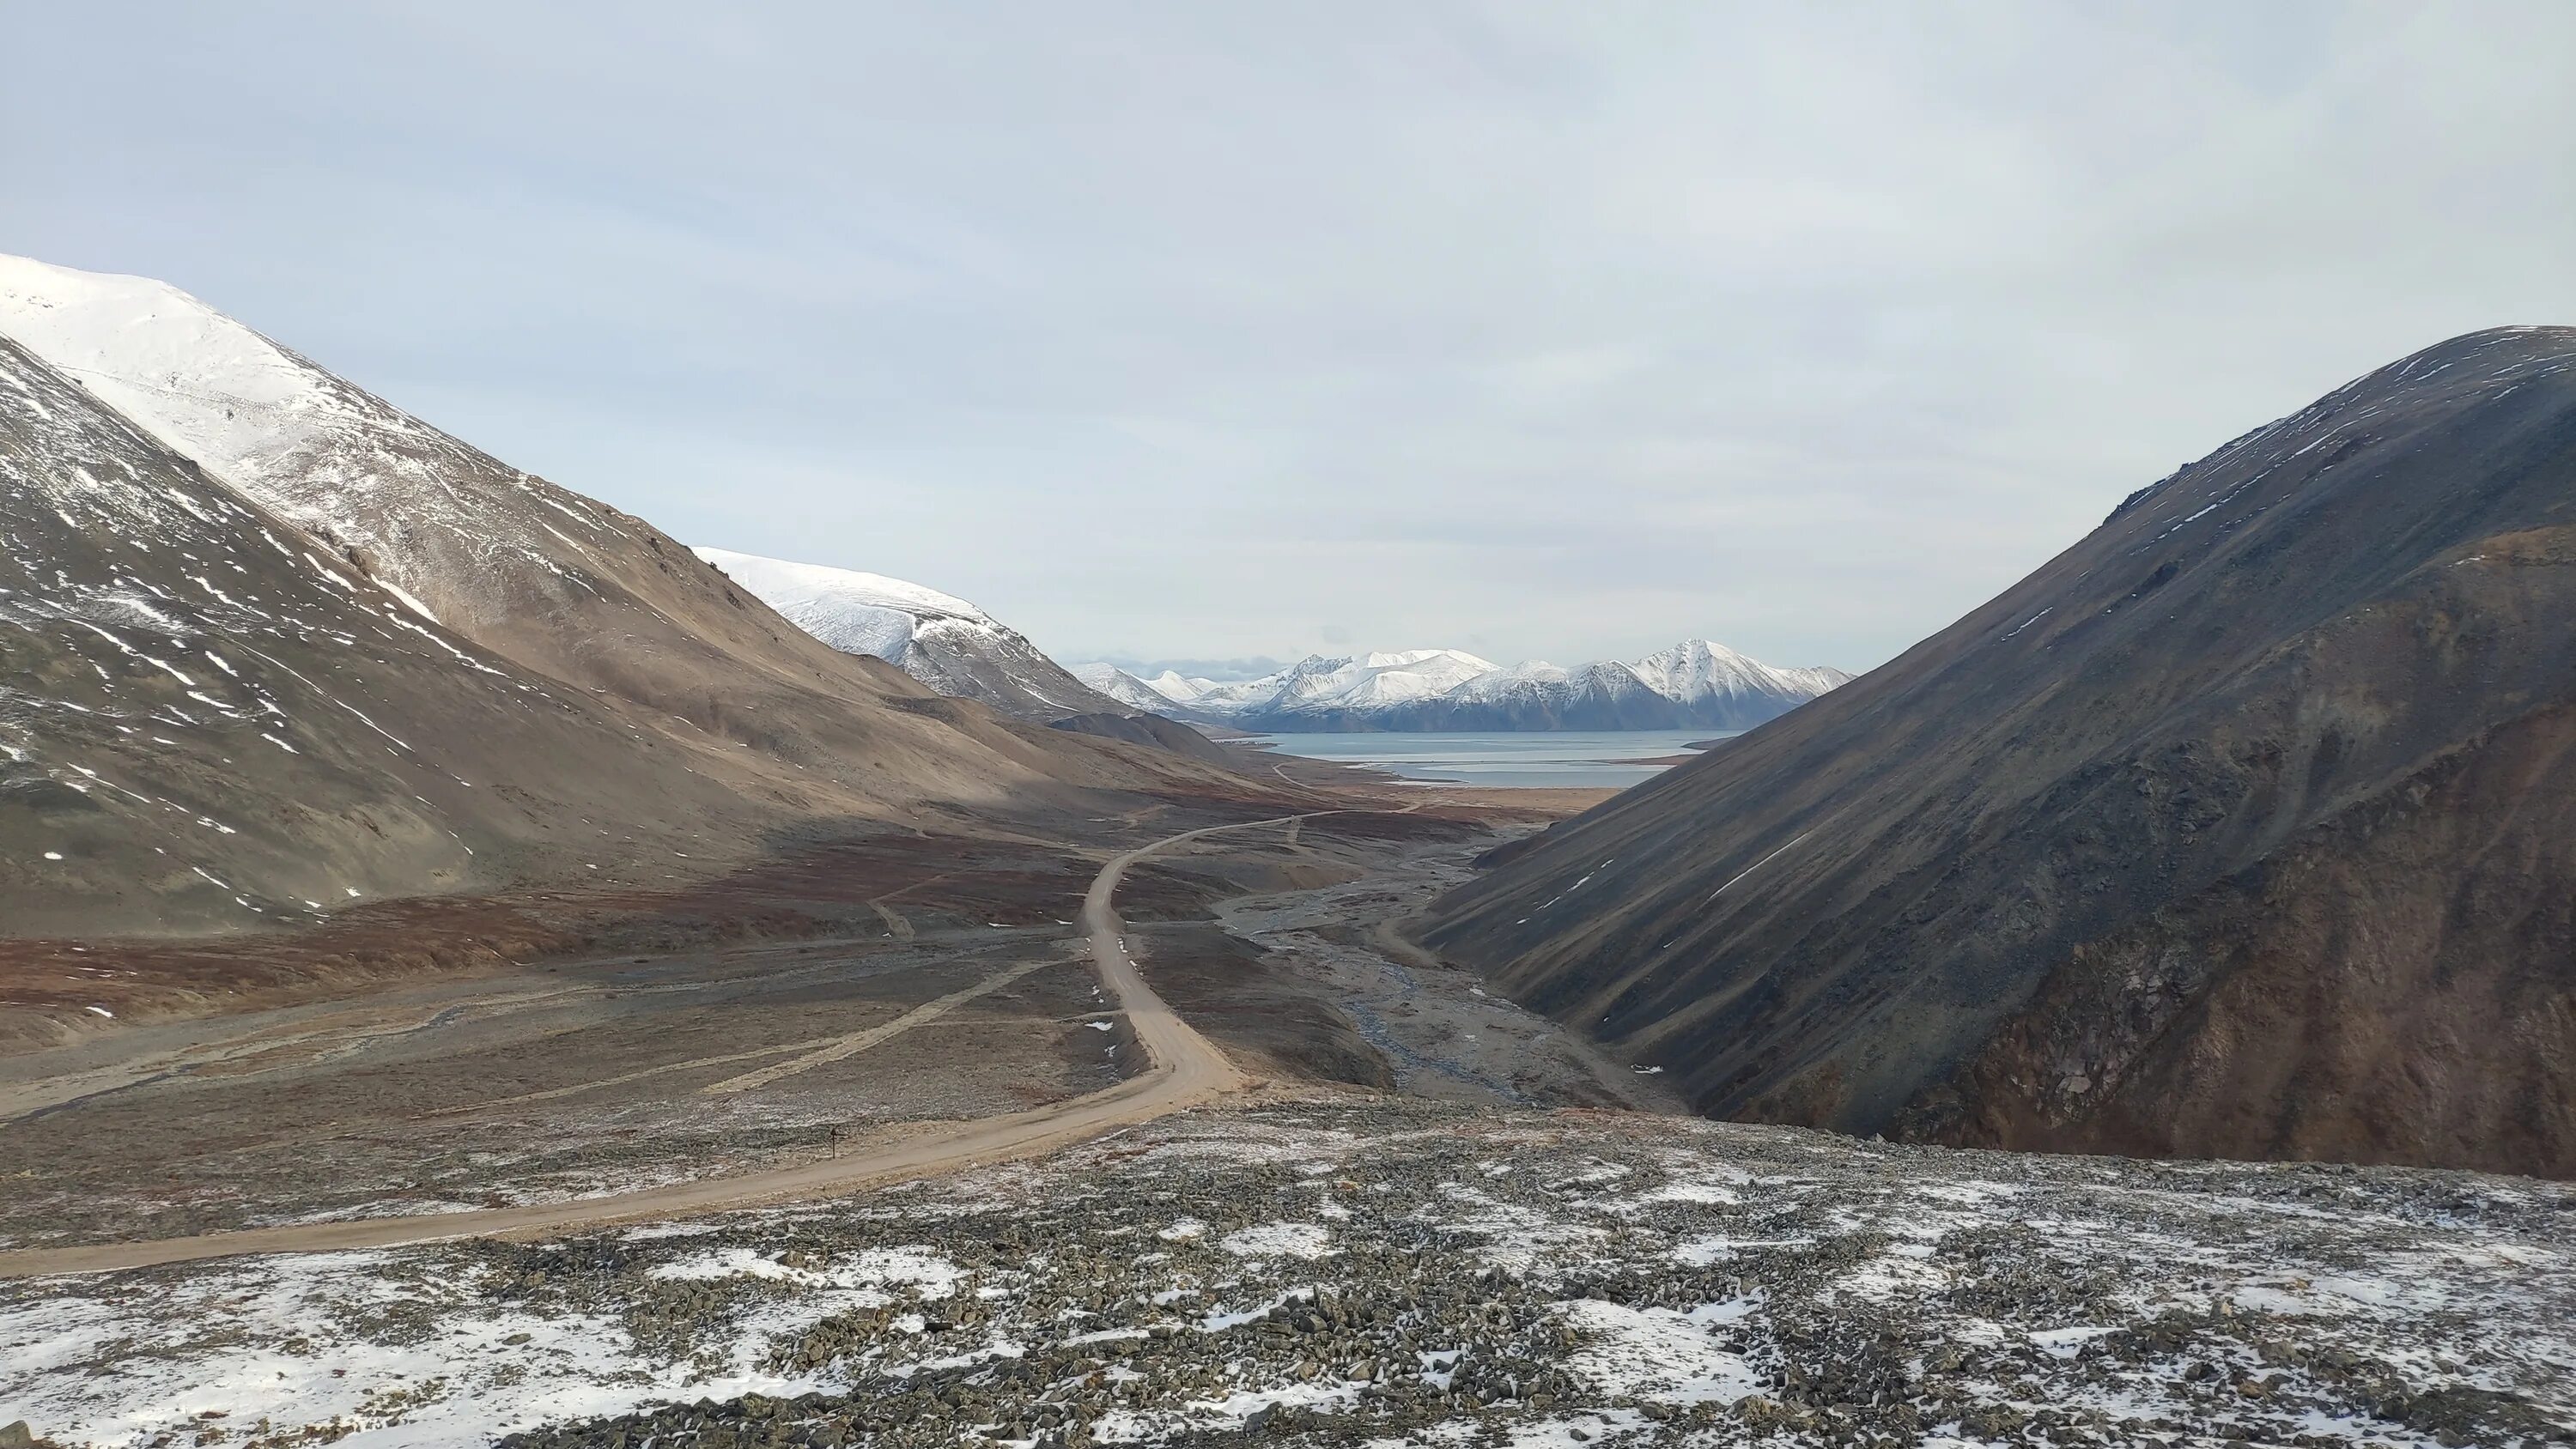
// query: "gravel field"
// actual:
[[1350, 1269]]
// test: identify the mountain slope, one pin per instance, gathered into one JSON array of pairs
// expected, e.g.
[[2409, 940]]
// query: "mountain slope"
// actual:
[[669, 714], [939, 639], [206, 723], [2247, 826], [1154, 730], [563, 585]]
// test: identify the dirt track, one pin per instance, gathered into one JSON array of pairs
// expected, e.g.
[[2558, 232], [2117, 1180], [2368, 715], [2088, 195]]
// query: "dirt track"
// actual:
[[1187, 1071]]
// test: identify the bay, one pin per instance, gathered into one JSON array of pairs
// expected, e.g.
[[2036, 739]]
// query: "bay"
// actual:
[[1530, 759]]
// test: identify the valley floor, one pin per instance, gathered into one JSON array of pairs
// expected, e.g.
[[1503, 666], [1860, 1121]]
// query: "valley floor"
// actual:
[[1427, 1217], [960, 994]]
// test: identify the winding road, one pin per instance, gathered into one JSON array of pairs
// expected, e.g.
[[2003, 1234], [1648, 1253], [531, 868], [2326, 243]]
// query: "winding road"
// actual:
[[1186, 1071]]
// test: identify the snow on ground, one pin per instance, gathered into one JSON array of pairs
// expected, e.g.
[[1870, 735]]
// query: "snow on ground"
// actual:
[[1657, 1354], [1279, 1240], [1522, 1278]]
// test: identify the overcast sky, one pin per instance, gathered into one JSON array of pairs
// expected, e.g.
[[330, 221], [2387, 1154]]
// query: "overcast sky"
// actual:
[[1208, 330]]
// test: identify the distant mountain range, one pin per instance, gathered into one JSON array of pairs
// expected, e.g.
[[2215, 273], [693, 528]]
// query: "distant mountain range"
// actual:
[[1693, 685], [957, 649], [939, 639]]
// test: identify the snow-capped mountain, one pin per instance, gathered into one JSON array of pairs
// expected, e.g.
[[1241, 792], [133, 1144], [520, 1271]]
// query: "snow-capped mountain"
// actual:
[[939, 639], [1696, 670], [1155, 696], [210, 721], [1361, 684], [1171, 685], [1693, 685], [270, 645], [467, 538]]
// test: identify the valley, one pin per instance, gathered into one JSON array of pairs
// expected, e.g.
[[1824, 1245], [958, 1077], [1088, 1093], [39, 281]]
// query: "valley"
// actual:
[[1171, 1136], [987, 1008], [479, 972]]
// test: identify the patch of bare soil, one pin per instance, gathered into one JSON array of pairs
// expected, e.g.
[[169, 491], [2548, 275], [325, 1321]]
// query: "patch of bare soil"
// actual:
[[53, 991], [812, 1006], [564, 1084]]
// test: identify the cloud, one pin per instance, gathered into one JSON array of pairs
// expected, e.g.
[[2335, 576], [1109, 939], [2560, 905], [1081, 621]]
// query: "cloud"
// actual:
[[1182, 330]]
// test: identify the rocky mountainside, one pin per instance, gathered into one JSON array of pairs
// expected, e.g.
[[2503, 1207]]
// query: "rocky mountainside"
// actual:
[[1694, 685], [207, 720], [939, 639], [268, 645], [2245, 827]]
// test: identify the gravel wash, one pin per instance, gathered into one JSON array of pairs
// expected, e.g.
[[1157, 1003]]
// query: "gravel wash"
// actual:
[[1349, 1272]]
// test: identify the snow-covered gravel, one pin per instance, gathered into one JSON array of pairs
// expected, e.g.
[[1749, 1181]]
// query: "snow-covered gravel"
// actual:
[[1392, 1273]]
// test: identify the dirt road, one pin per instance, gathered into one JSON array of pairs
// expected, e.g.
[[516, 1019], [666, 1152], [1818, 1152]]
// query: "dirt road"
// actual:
[[1185, 1071]]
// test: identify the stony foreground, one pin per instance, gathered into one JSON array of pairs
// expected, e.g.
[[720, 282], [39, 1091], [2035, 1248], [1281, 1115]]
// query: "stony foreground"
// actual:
[[1351, 1273]]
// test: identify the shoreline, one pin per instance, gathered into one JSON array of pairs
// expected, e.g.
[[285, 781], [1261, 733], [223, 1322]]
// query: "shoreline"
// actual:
[[1568, 773]]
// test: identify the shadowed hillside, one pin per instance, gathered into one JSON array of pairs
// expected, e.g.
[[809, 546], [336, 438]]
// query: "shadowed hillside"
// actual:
[[2246, 826]]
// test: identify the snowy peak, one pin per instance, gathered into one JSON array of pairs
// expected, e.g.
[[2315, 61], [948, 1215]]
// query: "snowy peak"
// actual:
[[1694, 684], [939, 639], [1435, 659], [534, 572], [443, 521], [854, 612], [1173, 685], [1532, 674], [1127, 689], [209, 722], [1696, 669], [1358, 682]]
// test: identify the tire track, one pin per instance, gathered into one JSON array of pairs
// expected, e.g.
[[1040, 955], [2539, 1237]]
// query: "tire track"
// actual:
[[1186, 1071], [839, 1048]]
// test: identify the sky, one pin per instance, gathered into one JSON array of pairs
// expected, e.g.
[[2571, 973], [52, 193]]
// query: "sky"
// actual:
[[1208, 332]]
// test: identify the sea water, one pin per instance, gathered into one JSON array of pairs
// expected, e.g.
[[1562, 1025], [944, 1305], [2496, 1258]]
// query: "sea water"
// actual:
[[1581, 759]]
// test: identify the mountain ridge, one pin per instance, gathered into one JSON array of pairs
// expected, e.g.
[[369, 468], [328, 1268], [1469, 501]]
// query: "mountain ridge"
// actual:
[[2164, 850], [1693, 685], [673, 723], [939, 639]]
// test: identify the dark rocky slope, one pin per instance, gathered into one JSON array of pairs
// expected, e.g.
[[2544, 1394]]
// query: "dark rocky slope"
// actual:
[[2245, 827]]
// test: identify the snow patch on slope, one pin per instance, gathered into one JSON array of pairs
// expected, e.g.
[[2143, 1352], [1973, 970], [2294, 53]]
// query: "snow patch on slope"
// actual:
[[854, 612], [939, 639], [374, 482]]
